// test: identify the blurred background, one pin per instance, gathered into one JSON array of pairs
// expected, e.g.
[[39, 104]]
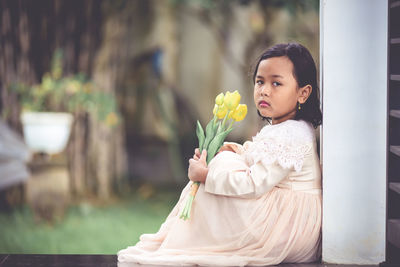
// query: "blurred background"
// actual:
[[99, 100]]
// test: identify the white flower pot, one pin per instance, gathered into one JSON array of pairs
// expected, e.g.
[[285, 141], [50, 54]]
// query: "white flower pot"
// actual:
[[46, 132]]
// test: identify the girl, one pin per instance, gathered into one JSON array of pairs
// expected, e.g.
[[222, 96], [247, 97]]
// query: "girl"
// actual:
[[259, 203]]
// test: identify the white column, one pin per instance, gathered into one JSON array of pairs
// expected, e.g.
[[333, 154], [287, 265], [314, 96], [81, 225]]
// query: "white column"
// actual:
[[354, 97]]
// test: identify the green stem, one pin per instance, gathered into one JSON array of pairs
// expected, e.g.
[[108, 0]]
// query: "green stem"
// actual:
[[230, 125], [224, 121], [190, 207]]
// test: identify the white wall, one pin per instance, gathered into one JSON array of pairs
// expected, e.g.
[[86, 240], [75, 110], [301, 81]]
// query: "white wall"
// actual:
[[354, 89]]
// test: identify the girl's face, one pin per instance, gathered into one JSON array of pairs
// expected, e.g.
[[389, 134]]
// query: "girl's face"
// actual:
[[276, 91]]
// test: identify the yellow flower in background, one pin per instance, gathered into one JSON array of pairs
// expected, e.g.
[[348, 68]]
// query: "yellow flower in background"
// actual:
[[239, 113], [87, 87], [219, 100], [73, 87], [112, 119], [232, 100]]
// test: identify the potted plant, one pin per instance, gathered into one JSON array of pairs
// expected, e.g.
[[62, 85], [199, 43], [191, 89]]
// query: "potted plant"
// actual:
[[48, 108]]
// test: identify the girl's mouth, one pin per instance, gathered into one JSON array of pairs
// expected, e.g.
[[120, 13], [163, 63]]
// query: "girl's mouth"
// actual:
[[263, 104]]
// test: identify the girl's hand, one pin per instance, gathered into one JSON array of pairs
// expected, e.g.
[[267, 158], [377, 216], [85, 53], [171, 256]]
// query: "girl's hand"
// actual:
[[198, 170], [197, 154]]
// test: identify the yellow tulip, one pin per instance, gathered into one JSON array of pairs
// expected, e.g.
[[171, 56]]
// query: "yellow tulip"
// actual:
[[230, 114], [219, 100], [215, 110], [220, 111], [232, 100], [240, 112]]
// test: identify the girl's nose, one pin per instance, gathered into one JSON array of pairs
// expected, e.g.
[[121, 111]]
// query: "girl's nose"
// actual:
[[265, 90]]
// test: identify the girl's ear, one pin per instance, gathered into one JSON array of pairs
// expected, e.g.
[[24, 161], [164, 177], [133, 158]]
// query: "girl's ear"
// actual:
[[304, 93]]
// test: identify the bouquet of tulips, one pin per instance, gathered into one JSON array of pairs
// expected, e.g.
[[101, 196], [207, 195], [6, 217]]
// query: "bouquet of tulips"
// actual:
[[226, 108]]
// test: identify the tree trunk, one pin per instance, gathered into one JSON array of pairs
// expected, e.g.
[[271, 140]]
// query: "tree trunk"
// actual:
[[107, 144], [15, 65], [29, 33]]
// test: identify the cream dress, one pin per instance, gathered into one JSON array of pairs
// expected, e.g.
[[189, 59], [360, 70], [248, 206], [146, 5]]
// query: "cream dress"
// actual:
[[260, 205]]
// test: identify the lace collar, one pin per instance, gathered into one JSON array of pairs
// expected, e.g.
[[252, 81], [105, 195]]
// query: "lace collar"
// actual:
[[286, 143]]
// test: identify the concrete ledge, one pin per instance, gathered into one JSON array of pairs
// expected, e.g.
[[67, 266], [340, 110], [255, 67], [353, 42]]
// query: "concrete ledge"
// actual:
[[8, 260]]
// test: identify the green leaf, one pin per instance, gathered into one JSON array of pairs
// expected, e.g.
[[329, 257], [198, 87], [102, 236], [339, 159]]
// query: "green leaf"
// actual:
[[200, 135], [216, 144], [220, 129], [215, 125], [210, 133]]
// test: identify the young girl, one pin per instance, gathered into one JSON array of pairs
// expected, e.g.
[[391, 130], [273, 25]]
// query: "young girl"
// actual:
[[260, 203]]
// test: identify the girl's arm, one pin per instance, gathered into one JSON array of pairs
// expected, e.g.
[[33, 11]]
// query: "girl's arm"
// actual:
[[229, 175]]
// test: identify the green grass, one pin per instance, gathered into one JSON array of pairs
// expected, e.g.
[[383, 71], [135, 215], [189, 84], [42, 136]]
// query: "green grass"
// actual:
[[85, 228]]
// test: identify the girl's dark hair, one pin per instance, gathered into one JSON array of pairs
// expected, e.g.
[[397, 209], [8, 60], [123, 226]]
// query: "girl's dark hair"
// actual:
[[305, 72]]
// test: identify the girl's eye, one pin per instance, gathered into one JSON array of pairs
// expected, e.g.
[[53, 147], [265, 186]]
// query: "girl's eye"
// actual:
[[276, 83], [259, 82]]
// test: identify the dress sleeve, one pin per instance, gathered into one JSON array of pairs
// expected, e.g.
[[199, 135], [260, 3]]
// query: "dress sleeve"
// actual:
[[230, 175], [237, 148], [265, 162]]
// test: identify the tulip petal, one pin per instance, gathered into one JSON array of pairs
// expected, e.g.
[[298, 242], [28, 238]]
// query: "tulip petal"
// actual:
[[221, 111], [232, 100], [219, 100], [240, 112]]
